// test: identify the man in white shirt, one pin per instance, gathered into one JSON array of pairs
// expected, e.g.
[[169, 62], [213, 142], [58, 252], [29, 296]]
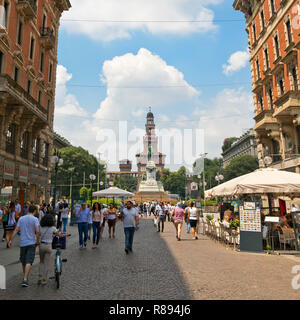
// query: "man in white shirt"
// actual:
[[130, 219]]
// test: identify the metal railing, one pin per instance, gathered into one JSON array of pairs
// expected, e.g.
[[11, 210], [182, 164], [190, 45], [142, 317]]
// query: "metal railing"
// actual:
[[47, 32]]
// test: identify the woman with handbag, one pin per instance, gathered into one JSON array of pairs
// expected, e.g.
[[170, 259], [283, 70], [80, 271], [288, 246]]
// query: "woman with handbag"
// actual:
[[11, 222]]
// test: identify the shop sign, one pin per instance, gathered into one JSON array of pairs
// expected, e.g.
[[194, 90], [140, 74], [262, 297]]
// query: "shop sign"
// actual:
[[23, 174], [194, 186], [9, 170]]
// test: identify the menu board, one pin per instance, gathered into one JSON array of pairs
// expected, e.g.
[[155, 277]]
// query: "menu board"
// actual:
[[250, 219]]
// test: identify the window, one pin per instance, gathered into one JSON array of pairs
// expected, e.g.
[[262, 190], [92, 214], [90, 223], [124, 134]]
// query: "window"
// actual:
[[295, 78], [254, 32], [20, 32], [1, 61], [16, 74], [29, 86], [44, 22], [31, 53], [35, 150], [288, 32], [266, 58], [281, 87], [10, 139], [262, 18], [270, 94], [50, 72], [272, 5], [276, 42], [24, 145], [42, 62], [6, 8], [260, 103], [39, 96], [257, 69], [45, 154]]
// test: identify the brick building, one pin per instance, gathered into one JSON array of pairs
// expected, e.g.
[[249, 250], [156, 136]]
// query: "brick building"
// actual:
[[28, 60], [274, 42]]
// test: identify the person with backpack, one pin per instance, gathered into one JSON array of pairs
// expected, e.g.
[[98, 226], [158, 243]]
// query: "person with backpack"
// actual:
[[160, 215]]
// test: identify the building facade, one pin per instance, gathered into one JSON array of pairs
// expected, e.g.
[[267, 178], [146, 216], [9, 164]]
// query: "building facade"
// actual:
[[274, 42], [60, 142], [245, 145], [150, 139], [28, 60]]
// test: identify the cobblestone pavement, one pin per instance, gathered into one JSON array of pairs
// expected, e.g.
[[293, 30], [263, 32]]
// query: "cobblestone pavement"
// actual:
[[162, 268]]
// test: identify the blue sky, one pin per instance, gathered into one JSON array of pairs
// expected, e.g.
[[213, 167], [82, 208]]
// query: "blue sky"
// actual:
[[199, 54]]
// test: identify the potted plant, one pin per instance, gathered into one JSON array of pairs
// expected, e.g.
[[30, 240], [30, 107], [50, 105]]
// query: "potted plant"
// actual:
[[234, 224], [268, 249], [209, 217]]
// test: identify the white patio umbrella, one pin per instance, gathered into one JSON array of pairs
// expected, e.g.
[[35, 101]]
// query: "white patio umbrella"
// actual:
[[261, 181], [113, 192]]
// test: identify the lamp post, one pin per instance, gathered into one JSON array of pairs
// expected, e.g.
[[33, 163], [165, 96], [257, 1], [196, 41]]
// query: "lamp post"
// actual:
[[92, 178], [57, 161], [71, 170], [204, 183], [219, 178]]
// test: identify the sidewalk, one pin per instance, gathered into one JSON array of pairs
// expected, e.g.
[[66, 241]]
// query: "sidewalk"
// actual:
[[9, 258]]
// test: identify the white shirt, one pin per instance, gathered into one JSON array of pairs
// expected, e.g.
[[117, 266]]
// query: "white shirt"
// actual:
[[47, 234], [65, 213], [193, 214], [129, 217], [159, 210]]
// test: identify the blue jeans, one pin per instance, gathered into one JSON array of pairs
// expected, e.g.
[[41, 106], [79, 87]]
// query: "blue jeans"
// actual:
[[83, 228], [188, 227], [65, 222], [129, 233], [96, 232]]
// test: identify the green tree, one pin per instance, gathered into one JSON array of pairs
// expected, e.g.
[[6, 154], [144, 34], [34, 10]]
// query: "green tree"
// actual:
[[83, 162], [84, 193], [174, 182], [240, 166], [128, 182]]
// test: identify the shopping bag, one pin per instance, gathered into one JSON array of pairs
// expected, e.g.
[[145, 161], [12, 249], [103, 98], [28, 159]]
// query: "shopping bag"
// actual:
[[155, 222]]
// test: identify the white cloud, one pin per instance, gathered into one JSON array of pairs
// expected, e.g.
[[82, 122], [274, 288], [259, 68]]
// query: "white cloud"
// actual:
[[138, 11], [229, 115], [236, 62]]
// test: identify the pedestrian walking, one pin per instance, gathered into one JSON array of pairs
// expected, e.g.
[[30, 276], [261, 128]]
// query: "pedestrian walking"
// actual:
[[178, 215], [18, 209], [47, 230], [193, 219], [65, 216], [3, 221], [29, 228], [111, 219], [130, 219], [11, 222], [59, 213], [160, 215], [97, 218], [83, 215], [104, 213], [188, 225]]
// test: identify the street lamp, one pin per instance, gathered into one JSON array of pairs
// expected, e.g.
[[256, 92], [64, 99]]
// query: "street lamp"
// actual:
[[204, 183], [71, 170], [219, 178], [92, 178], [57, 161], [265, 162]]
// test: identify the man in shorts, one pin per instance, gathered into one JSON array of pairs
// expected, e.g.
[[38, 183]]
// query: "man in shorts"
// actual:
[[30, 237]]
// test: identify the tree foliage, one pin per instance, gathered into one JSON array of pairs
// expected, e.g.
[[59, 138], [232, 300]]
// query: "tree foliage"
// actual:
[[82, 162], [174, 182], [126, 182], [240, 166]]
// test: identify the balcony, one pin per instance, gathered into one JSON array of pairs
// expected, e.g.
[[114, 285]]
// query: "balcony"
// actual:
[[47, 38], [265, 121], [27, 8], [287, 104]]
